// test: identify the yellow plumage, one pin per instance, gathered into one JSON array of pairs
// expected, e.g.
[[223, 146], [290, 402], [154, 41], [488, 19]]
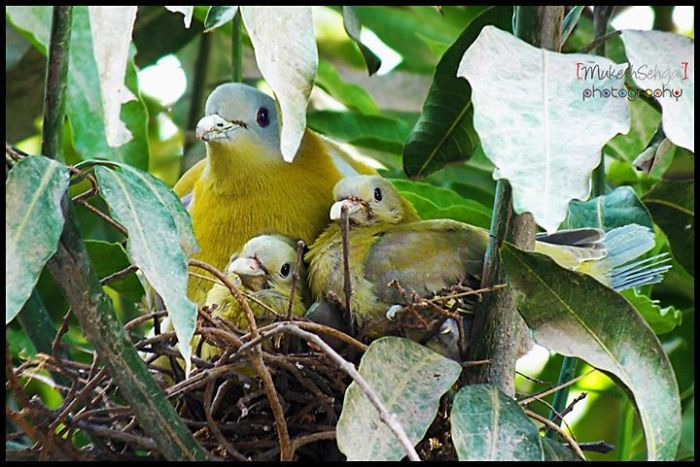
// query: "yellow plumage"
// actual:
[[263, 271], [386, 242], [244, 188]]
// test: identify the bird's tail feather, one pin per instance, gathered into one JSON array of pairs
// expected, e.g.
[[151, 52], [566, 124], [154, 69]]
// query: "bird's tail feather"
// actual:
[[625, 244]]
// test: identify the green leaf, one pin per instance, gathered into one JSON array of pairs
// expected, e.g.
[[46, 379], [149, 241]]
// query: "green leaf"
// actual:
[[672, 205], [616, 209], [433, 202], [575, 315], [645, 120], [661, 320], [570, 22], [351, 95], [409, 379], [19, 342], [153, 246], [524, 121], [33, 225], [402, 28], [554, 451], [218, 15], [172, 203], [687, 445], [84, 103], [353, 27], [109, 258], [487, 425], [444, 132], [372, 131]]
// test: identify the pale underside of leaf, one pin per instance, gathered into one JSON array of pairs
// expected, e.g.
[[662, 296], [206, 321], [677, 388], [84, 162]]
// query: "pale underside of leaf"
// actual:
[[111, 28], [153, 246], [285, 50], [668, 53], [33, 225], [409, 379], [530, 114]]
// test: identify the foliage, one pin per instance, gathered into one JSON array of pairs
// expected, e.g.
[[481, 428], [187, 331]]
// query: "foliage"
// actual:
[[446, 113]]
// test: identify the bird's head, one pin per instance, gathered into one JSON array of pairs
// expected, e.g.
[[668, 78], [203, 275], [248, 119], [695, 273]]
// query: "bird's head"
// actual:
[[265, 262], [370, 199], [243, 118]]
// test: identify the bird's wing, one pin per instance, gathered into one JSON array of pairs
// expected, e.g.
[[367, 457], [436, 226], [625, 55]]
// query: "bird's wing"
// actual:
[[425, 257], [346, 163], [183, 188]]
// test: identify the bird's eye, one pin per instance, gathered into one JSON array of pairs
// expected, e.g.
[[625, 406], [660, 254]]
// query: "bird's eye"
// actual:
[[285, 269], [377, 194], [263, 117]]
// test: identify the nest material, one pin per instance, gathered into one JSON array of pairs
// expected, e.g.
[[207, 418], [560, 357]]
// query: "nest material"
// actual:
[[222, 401]]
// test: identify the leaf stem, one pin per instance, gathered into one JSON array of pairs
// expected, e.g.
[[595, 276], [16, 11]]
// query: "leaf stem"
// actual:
[[237, 47]]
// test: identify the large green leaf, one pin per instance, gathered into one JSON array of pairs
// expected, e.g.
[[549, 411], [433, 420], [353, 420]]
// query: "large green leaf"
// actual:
[[433, 202], [373, 131], [409, 379], [183, 221], [109, 258], [84, 103], [525, 120], [33, 225], [487, 425], [667, 52], [661, 320], [672, 205], [575, 315], [617, 208], [444, 132], [354, 29], [351, 95], [153, 246]]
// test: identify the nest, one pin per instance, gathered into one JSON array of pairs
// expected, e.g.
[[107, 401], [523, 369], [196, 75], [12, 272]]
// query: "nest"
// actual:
[[225, 402]]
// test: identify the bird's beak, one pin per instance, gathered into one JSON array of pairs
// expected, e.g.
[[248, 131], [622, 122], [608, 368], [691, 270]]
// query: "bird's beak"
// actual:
[[213, 127], [353, 206], [250, 271]]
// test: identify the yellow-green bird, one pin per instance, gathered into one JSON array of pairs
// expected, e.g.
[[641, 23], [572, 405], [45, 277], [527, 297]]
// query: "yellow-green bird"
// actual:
[[263, 270], [244, 188], [387, 242]]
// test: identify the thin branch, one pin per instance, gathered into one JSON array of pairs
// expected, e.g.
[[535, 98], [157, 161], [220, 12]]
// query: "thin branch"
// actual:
[[549, 391], [600, 40], [295, 277], [574, 445], [119, 274], [117, 226], [598, 446], [347, 285]]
